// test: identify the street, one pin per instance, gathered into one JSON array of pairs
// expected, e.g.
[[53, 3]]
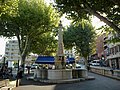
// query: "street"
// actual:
[[100, 83]]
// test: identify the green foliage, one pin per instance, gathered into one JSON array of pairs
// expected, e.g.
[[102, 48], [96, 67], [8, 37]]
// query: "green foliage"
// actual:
[[80, 37], [68, 38], [106, 10], [46, 44], [27, 20]]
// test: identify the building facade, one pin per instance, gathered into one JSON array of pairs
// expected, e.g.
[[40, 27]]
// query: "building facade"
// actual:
[[113, 52], [100, 46], [12, 50], [107, 51], [12, 54]]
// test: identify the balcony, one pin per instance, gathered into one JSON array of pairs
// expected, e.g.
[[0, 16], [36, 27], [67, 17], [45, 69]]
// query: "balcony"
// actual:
[[114, 56]]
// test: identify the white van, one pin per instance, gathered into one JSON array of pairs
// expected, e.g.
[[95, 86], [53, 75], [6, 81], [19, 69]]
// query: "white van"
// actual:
[[95, 63]]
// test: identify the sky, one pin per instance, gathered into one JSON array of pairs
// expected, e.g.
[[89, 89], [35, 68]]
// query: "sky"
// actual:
[[2, 45]]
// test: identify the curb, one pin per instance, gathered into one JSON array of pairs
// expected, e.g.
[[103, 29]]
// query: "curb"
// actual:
[[62, 81], [109, 76], [113, 77]]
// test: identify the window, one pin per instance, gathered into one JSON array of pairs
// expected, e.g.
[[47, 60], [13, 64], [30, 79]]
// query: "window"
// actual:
[[7, 53], [7, 45], [13, 41], [112, 50], [118, 48], [7, 48]]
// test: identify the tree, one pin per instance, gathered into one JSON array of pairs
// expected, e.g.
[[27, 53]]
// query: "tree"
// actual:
[[44, 45], [106, 10], [30, 19], [81, 36]]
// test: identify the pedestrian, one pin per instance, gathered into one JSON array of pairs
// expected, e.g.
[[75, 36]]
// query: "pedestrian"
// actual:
[[20, 73], [4, 72], [19, 76], [88, 67], [112, 72], [28, 69]]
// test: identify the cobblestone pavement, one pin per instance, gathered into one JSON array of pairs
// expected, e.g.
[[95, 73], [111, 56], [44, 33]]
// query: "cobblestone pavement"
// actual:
[[100, 83]]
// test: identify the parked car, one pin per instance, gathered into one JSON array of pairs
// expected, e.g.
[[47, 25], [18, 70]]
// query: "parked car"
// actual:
[[78, 65], [95, 63], [34, 66]]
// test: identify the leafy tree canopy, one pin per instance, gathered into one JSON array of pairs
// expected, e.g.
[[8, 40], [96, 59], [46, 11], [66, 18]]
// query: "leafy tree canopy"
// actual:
[[81, 36], [27, 20], [106, 10], [46, 44]]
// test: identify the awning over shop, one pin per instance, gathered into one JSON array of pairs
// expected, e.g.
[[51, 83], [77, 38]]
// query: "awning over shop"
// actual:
[[51, 60], [45, 60], [70, 60]]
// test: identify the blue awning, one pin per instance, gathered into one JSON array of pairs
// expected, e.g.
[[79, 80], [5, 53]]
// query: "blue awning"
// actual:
[[45, 60], [70, 60], [51, 60]]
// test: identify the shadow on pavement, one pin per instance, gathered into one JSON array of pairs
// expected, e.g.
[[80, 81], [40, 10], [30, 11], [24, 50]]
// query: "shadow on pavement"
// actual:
[[24, 82]]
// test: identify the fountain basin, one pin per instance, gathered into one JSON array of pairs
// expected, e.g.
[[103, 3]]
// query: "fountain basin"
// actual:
[[59, 74]]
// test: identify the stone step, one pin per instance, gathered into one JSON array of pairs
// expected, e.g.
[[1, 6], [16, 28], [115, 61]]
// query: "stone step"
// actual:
[[61, 81]]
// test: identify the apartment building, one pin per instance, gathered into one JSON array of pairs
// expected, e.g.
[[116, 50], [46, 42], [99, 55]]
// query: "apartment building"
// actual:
[[113, 51], [12, 54], [100, 46]]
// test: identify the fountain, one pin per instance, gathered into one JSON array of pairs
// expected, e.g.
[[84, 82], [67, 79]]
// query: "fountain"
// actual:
[[60, 73]]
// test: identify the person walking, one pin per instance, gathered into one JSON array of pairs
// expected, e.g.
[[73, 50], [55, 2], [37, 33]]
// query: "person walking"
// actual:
[[19, 76]]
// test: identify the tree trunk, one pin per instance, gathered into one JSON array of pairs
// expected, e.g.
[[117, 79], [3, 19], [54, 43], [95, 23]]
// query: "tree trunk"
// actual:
[[23, 62], [86, 62], [105, 20], [23, 50], [116, 2]]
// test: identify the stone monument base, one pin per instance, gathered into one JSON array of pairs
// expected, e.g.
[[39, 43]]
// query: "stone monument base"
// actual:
[[59, 74]]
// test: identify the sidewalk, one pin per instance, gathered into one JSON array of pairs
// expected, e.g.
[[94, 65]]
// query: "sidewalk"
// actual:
[[106, 71], [6, 84]]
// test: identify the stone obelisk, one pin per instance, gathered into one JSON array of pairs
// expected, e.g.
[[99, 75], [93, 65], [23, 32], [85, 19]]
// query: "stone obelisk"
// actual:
[[60, 61]]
